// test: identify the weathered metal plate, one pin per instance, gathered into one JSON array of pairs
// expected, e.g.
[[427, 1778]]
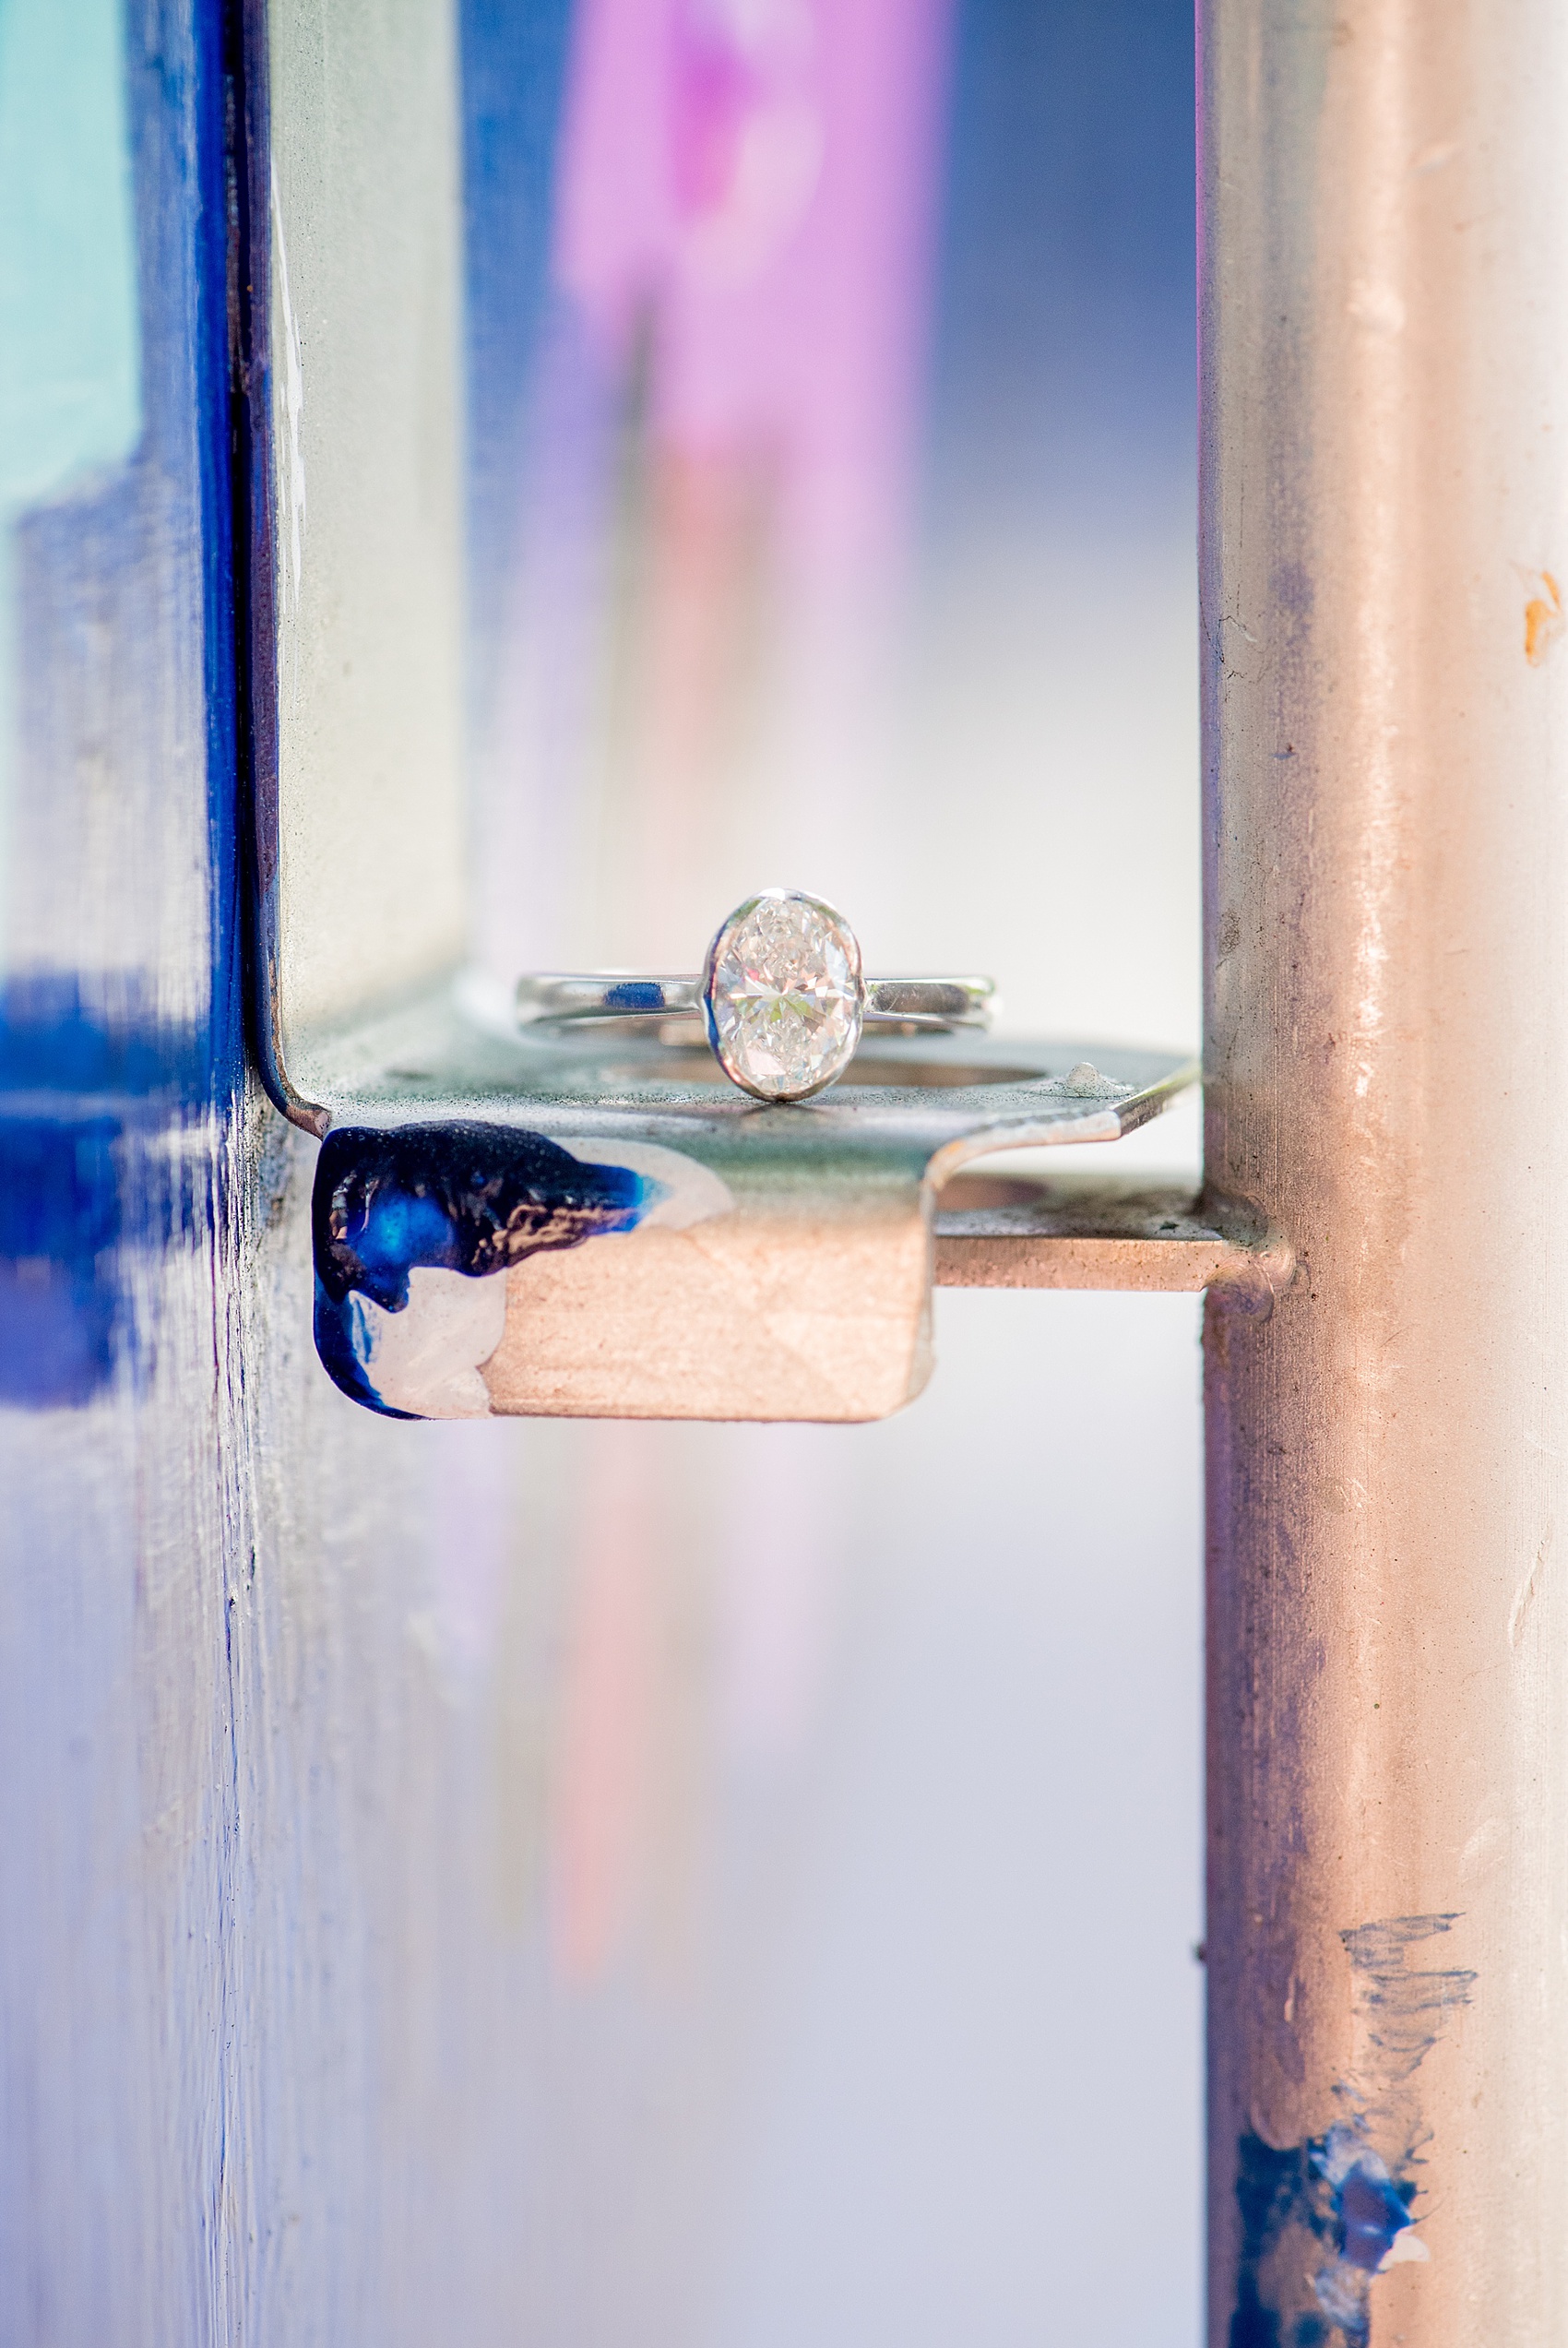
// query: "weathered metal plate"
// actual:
[[604, 1226], [1040, 1235]]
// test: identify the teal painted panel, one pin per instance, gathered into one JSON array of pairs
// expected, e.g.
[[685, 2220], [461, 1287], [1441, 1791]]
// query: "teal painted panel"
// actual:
[[70, 346]]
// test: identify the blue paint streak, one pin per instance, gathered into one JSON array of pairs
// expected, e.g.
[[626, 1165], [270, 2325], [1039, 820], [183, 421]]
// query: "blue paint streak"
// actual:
[[84, 1093], [465, 1197], [56, 1038], [61, 1306]]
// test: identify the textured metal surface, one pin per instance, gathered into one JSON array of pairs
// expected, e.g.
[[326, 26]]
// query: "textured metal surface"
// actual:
[[1385, 526], [651, 1243], [452, 1052], [1097, 1235]]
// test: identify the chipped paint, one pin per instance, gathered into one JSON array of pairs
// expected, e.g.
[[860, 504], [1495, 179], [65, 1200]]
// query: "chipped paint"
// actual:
[[415, 1230], [468, 1200], [426, 1362], [1319, 2220], [1322, 2220]]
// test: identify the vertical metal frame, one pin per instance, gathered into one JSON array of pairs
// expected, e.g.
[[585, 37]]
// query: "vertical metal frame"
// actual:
[[1384, 319]]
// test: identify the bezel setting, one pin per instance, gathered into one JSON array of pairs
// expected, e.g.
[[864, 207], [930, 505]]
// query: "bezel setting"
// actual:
[[783, 995]]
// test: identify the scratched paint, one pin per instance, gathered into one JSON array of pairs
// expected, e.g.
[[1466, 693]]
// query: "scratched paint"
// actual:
[[1322, 2220]]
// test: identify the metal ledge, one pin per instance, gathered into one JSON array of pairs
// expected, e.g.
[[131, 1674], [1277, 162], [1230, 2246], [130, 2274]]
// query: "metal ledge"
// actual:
[[1006, 1234], [602, 1226]]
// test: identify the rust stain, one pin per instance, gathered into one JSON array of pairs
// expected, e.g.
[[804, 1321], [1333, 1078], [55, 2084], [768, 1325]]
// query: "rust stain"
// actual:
[[1543, 621]]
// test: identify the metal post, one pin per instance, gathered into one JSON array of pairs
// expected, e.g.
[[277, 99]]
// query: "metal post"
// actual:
[[1385, 559]]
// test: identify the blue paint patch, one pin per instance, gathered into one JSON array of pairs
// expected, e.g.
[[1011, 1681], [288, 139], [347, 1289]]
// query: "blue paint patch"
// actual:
[[1317, 2220], [1369, 2210], [1276, 2193], [92, 1103], [635, 994], [465, 1197], [63, 1036], [61, 1306]]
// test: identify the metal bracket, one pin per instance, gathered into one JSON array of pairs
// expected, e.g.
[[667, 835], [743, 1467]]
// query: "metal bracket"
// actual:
[[1003, 1233], [540, 1224], [568, 1226]]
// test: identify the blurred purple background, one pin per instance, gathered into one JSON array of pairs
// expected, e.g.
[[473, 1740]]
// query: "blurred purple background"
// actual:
[[832, 422]]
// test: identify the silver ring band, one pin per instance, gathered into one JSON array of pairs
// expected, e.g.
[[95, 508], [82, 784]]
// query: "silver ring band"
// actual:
[[556, 999], [782, 997]]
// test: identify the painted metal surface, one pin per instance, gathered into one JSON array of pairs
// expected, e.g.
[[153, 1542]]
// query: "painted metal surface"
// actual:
[[354, 261], [126, 1528], [504, 1881], [507, 1223], [1385, 502]]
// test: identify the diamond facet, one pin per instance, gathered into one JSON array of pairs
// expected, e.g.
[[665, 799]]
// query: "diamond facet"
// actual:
[[783, 995]]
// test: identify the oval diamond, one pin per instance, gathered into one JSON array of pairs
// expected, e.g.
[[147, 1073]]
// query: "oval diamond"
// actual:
[[783, 995]]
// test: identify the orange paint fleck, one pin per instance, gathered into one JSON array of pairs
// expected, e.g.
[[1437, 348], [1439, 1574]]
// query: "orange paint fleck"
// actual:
[[1543, 621]]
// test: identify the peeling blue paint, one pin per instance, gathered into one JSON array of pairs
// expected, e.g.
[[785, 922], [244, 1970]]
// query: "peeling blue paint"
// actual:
[[1369, 2210], [1281, 2199], [1319, 2220], [465, 1197]]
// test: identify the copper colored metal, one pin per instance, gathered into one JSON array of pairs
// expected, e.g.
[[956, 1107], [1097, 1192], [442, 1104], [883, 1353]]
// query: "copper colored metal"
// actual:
[[1099, 1235], [1386, 535]]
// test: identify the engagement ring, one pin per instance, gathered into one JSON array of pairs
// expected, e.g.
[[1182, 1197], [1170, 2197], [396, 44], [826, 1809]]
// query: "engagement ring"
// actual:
[[782, 994]]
